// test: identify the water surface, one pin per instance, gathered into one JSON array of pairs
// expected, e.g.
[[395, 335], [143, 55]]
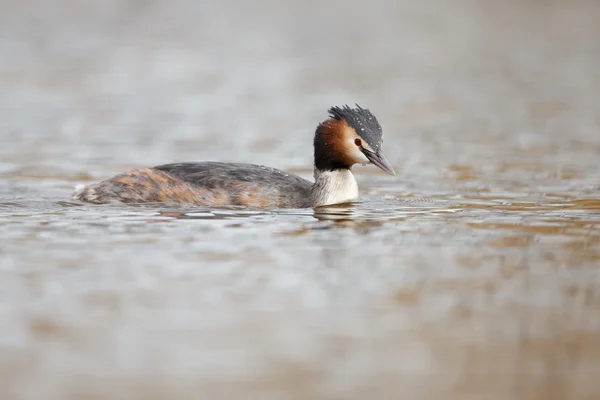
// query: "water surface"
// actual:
[[474, 273]]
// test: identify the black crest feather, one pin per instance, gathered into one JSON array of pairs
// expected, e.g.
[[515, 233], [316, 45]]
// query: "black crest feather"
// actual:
[[363, 122]]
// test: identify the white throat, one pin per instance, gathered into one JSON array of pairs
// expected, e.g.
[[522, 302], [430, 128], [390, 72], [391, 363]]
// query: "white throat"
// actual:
[[334, 187]]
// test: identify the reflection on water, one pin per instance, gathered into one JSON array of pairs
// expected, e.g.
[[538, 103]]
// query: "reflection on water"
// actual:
[[474, 273], [429, 297]]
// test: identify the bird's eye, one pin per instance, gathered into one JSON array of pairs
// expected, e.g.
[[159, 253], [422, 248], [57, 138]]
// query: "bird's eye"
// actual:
[[357, 142]]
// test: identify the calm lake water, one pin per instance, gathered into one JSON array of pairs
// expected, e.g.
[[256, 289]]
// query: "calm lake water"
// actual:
[[472, 274]]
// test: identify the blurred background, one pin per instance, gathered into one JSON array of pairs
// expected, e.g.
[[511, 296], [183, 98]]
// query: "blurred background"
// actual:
[[471, 274]]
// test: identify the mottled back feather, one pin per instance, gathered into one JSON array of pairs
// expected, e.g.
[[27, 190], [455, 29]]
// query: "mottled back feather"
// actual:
[[247, 184]]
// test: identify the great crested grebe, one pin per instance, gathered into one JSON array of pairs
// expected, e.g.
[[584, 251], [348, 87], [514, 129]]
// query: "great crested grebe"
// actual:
[[350, 136]]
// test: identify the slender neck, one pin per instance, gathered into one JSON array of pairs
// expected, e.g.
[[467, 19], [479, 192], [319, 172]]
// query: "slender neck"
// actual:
[[333, 187], [334, 182]]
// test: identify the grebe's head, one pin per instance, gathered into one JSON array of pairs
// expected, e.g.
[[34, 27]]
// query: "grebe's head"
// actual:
[[350, 136]]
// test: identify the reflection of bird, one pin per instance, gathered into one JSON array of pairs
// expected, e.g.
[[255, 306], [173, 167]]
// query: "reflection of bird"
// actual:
[[350, 136]]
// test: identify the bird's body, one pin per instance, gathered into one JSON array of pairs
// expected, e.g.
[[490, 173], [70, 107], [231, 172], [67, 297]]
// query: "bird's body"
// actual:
[[338, 146]]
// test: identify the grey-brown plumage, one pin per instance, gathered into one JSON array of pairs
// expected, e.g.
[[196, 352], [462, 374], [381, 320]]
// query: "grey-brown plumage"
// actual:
[[245, 183], [350, 136]]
